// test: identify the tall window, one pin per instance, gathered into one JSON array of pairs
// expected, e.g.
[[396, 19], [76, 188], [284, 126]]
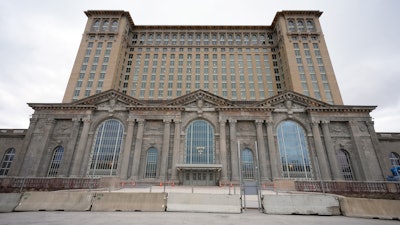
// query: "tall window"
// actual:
[[200, 143], [345, 164], [151, 163], [293, 151], [6, 161], [394, 159], [106, 149], [55, 161], [247, 161], [96, 25]]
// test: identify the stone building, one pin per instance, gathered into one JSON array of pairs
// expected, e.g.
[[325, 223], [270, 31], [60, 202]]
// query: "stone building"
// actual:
[[158, 103]]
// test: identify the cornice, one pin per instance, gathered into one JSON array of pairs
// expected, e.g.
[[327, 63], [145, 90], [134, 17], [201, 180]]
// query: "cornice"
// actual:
[[52, 106], [340, 108], [203, 27], [155, 108], [110, 12]]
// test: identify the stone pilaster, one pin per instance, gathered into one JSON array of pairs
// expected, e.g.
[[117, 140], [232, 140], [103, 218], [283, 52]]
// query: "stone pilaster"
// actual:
[[321, 154], [333, 160], [375, 143], [364, 171], [175, 155], [70, 151], [222, 146], [275, 161], [127, 148], [165, 149], [138, 150], [44, 150], [20, 159], [234, 150], [263, 165], [78, 157]]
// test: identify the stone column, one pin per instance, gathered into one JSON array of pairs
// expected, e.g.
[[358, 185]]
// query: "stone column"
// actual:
[[361, 164], [44, 150], [222, 146], [333, 160], [138, 150], [375, 143], [234, 150], [127, 148], [67, 163], [273, 154], [175, 154], [76, 168], [21, 159], [165, 149], [263, 165], [320, 151]]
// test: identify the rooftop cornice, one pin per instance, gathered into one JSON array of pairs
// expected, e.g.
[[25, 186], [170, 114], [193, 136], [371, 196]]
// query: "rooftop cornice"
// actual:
[[111, 12], [283, 13], [342, 108], [203, 27], [60, 106], [155, 108]]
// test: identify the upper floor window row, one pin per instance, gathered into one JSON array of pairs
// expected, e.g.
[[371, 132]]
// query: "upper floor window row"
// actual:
[[220, 38], [105, 25], [301, 25]]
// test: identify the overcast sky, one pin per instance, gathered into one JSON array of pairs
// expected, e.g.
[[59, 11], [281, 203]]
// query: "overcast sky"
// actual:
[[39, 41]]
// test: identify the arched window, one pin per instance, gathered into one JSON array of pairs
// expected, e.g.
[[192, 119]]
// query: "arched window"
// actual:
[[96, 25], [114, 25], [300, 25], [291, 25], [55, 161], [310, 25], [151, 163], [200, 143], [106, 148], [345, 164], [394, 159], [247, 161], [6, 161], [293, 151], [105, 25]]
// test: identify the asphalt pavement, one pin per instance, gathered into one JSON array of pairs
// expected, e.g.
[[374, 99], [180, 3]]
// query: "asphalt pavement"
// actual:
[[165, 218]]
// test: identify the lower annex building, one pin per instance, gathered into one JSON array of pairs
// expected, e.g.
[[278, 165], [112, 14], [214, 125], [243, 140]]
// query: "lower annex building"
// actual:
[[257, 101]]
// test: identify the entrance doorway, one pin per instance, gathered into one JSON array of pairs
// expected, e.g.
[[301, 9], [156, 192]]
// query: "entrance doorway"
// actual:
[[199, 177]]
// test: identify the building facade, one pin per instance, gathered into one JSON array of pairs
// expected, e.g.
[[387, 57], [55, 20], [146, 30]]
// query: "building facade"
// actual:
[[200, 105], [234, 62]]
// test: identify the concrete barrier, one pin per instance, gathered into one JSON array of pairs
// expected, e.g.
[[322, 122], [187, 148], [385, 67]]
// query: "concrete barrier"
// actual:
[[55, 201], [212, 203], [370, 208], [303, 204], [145, 202], [8, 201]]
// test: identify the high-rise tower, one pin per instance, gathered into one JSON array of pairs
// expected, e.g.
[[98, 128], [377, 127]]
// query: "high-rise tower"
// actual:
[[235, 62]]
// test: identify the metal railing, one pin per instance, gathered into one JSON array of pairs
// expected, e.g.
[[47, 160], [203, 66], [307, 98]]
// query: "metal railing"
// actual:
[[47, 183], [349, 187]]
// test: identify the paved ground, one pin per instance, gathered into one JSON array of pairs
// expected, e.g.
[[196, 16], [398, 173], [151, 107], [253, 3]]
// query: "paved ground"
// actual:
[[162, 218]]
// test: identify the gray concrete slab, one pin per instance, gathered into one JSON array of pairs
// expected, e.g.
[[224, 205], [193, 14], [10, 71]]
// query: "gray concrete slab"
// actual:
[[303, 204], [154, 218], [370, 208], [8, 201], [146, 202], [55, 201], [211, 203]]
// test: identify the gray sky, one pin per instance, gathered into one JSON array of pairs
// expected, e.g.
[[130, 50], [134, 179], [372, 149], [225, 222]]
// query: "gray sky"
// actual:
[[39, 41]]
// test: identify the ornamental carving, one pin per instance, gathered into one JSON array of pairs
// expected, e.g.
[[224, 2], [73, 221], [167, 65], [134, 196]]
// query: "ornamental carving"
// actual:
[[339, 129]]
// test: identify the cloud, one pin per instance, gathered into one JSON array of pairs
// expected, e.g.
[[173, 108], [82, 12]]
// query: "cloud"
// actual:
[[40, 40]]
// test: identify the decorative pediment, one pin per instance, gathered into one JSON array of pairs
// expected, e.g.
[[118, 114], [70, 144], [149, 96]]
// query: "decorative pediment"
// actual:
[[200, 99], [291, 100], [109, 98]]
